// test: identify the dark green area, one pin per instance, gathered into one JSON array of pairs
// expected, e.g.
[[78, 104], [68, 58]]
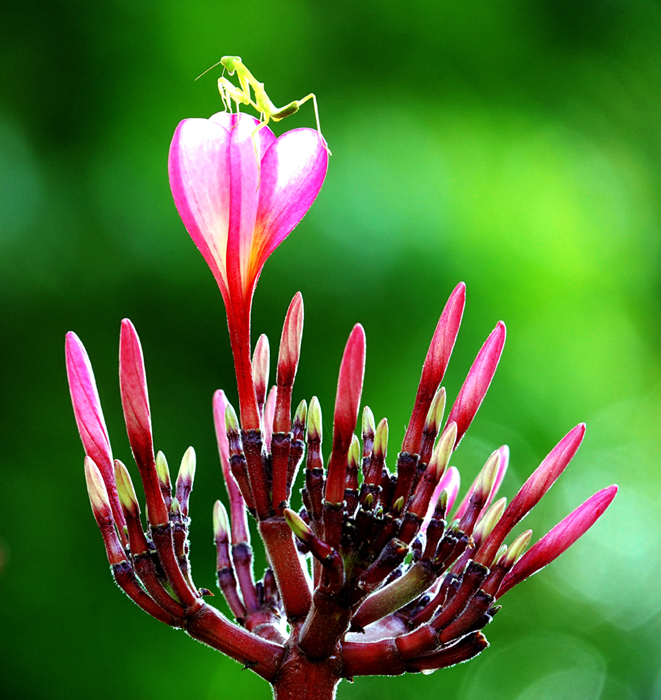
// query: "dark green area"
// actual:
[[512, 145]]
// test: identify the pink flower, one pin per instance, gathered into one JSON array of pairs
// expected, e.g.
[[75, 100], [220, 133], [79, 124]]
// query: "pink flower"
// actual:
[[240, 193]]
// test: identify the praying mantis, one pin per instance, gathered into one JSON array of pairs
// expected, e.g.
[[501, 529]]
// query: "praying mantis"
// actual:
[[261, 102]]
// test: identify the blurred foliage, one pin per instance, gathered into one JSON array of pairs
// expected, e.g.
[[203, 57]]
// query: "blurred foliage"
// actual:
[[514, 145]]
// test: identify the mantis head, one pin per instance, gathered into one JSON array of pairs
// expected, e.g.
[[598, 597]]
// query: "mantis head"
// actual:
[[230, 63]]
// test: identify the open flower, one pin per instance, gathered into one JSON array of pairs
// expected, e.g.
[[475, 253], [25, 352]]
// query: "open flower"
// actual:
[[240, 192]]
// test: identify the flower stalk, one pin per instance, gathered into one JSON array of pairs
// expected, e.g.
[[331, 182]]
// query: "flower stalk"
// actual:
[[374, 573]]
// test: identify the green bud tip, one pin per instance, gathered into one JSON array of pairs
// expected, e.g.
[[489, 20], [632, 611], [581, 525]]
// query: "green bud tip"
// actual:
[[175, 508], [369, 499], [125, 489], [301, 413], [354, 452], [517, 548], [489, 520], [187, 468], [436, 410], [162, 469], [500, 553], [398, 505], [221, 525], [488, 475], [231, 421], [315, 431], [298, 527], [368, 424], [96, 488], [381, 438], [443, 451], [442, 500]]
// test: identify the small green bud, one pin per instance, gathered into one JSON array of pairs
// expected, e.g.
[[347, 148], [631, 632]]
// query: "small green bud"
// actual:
[[381, 439], [368, 424], [354, 453], [517, 548], [187, 468], [125, 489], [162, 470], [221, 525], [297, 525], [315, 431]]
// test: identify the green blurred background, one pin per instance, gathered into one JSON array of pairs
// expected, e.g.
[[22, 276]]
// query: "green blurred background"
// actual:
[[512, 145]]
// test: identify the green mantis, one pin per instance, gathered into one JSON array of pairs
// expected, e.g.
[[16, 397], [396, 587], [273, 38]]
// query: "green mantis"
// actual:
[[261, 102]]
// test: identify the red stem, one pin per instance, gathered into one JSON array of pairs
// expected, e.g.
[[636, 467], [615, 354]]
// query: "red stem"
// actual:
[[239, 330]]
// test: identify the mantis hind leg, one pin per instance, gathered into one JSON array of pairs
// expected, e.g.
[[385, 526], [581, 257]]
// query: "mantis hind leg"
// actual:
[[312, 97]]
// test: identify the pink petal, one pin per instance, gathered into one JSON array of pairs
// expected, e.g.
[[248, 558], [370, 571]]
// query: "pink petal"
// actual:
[[560, 538], [293, 171], [199, 168], [244, 192]]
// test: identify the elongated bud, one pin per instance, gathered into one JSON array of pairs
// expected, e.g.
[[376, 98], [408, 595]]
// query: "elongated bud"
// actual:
[[435, 365], [560, 538], [135, 402], [290, 352], [89, 417], [290, 342], [98, 496], [125, 489], [539, 482], [477, 382], [260, 369], [315, 428], [347, 401]]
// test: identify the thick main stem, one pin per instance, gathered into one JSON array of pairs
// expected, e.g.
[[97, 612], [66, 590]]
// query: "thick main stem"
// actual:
[[301, 678]]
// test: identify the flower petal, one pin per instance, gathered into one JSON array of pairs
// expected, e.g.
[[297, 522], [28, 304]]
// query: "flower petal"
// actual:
[[244, 189], [199, 167], [293, 171]]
